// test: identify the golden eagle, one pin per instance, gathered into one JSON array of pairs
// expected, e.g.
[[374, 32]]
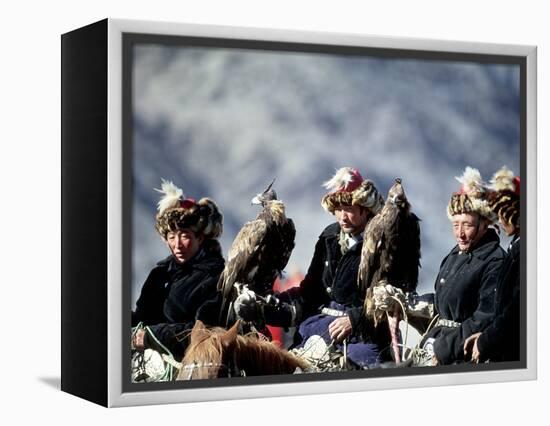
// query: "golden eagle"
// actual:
[[259, 252], [390, 253]]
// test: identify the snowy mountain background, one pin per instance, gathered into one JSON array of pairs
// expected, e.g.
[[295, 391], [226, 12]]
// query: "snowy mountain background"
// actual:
[[223, 123]]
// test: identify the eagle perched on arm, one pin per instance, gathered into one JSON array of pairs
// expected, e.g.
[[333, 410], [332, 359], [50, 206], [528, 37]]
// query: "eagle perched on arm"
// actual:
[[259, 252], [390, 253]]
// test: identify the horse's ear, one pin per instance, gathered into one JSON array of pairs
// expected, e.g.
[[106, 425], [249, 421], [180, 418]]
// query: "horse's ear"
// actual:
[[230, 336], [198, 329]]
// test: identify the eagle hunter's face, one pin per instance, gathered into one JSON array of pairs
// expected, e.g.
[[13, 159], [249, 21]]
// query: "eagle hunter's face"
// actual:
[[468, 228], [352, 219], [183, 244]]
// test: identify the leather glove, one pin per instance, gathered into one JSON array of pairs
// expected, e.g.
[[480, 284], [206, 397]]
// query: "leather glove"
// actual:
[[383, 297], [282, 314], [247, 307]]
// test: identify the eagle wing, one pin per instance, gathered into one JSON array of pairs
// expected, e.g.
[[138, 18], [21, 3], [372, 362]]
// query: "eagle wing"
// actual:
[[272, 256], [401, 256], [370, 252], [410, 251], [287, 235], [242, 256]]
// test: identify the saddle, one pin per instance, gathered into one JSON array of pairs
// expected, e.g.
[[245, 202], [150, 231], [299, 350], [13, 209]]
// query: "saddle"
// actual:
[[322, 357], [152, 364]]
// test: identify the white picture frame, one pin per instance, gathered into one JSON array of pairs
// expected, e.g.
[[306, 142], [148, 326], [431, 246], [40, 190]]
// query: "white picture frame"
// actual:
[[112, 383]]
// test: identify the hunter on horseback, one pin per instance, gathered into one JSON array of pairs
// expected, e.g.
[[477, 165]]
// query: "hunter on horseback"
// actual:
[[179, 286]]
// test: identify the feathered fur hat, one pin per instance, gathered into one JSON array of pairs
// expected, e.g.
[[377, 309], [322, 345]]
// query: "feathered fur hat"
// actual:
[[175, 211], [472, 196], [504, 196], [348, 188]]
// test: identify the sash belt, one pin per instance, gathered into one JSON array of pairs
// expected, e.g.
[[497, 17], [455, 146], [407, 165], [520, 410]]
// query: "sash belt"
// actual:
[[448, 323], [333, 312]]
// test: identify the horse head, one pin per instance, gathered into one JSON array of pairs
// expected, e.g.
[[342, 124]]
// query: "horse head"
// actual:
[[218, 352], [207, 355]]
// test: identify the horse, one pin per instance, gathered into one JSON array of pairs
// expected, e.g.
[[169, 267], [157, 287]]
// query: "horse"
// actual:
[[217, 352]]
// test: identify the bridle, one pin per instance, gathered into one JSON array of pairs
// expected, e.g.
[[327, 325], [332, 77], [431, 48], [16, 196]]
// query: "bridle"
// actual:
[[231, 368], [195, 366]]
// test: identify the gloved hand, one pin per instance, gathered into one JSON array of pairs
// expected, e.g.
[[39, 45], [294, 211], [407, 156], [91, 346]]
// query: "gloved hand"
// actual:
[[247, 307], [282, 314], [383, 297]]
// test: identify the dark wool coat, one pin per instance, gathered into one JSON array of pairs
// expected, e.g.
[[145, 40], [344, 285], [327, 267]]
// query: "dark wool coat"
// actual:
[[500, 340], [332, 277], [173, 294], [465, 293]]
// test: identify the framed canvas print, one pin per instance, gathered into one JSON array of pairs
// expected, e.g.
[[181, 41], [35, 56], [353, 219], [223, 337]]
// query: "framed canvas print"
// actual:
[[251, 212]]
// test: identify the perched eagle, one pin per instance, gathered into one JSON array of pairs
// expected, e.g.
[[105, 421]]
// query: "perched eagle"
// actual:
[[259, 252], [390, 252]]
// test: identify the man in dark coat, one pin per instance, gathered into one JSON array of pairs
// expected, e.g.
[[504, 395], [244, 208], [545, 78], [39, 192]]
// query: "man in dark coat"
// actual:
[[328, 301], [180, 286], [466, 283], [499, 341]]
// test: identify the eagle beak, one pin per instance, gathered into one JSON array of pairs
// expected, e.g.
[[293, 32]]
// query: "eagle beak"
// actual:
[[256, 200]]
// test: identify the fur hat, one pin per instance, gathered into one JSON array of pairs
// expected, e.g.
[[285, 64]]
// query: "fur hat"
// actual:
[[175, 211], [504, 196], [348, 188], [472, 197]]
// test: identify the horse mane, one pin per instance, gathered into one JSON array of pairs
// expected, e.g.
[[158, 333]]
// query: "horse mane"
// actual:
[[207, 347], [253, 353]]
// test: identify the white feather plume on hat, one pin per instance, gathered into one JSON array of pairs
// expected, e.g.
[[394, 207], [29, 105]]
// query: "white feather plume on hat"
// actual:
[[471, 181], [503, 180], [172, 196], [340, 180]]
